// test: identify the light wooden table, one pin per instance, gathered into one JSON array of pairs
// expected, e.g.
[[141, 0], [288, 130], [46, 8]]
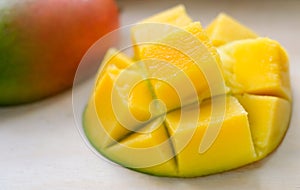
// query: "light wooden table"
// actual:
[[40, 147]]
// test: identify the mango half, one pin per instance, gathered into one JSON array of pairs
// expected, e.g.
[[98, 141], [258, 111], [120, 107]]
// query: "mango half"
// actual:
[[183, 107]]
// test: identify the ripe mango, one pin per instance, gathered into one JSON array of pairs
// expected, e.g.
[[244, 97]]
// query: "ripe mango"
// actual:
[[183, 107], [267, 121], [256, 66], [43, 41], [224, 29]]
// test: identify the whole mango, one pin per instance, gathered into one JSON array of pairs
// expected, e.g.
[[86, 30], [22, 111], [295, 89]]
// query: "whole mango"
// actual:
[[43, 41]]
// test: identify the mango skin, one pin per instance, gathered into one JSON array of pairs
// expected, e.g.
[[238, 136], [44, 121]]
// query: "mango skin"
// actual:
[[43, 41]]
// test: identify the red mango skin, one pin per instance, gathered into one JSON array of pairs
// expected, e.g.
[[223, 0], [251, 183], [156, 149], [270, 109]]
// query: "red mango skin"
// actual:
[[43, 41]]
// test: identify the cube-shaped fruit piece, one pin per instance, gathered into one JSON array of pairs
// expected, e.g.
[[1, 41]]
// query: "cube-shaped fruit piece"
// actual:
[[176, 16], [115, 100], [268, 118], [224, 29], [149, 152], [186, 57], [159, 25], [256, 66], [117, 58], [233, 145]]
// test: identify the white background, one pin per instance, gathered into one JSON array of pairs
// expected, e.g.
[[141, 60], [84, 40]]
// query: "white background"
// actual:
[[40, 147]]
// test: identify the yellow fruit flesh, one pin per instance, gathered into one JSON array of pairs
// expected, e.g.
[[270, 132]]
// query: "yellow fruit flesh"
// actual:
[[163, 156], [233, 146], [143, 32], [234, 149], [257, 66], [182, 64], [269, 119], [225, 29], [117, 58], [176, 16], [252, 126], [139, 100]]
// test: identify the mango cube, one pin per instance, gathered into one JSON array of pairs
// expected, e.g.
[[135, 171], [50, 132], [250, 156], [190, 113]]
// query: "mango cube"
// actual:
[[233, 146], [268, 118], [225, 29], [257, 66]]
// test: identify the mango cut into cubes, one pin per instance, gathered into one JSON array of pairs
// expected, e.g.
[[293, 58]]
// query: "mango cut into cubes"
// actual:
[[256, 66], [268, 118], [225, 29], [192, 102]]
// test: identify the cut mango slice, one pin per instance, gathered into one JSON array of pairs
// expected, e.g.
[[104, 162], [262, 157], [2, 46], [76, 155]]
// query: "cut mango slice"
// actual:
[[177, 61], [158, 26], [157, 143], [184, 108], [257, 66], [176, 16], [224, 29], [233, 146], [111, 86], [269, 119], [117, 58]]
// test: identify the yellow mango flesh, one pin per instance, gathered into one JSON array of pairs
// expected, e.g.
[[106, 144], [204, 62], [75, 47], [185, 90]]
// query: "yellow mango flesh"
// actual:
[[176, 16], [137, 116], [166, 53], [117, 58], [256, 66], [139, 100], [234, 149], [143, 32], [269, 119], [165, 164], [233, 146], [224, 29]]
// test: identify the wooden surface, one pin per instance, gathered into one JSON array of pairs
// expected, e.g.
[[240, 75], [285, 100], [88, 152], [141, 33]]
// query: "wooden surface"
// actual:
[[40, 147]]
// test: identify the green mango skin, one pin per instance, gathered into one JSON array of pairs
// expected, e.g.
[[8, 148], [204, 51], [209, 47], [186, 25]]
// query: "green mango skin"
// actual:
[[43, 41]]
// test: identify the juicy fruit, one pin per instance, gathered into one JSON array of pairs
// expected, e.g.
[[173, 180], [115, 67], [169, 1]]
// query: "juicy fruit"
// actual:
[[143, 32], [257, 66], [43, 41], [180, 60], [225, 29], [233, 151], [175, 16], [165, 112], [267, 121]]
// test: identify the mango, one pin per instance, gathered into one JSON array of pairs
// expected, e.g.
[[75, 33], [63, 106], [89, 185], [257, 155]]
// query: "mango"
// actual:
[[183, 106], [165, 22], [42, 43], [256, 66], [181, 60], [224, 29], [228, 151], [267, 121], [176, 16]]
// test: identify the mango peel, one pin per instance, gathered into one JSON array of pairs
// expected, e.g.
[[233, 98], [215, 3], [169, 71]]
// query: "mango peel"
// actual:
[[43, 41], [185, 106]]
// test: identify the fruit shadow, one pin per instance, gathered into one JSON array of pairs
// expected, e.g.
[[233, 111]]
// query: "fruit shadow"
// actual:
[[47, 104]]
